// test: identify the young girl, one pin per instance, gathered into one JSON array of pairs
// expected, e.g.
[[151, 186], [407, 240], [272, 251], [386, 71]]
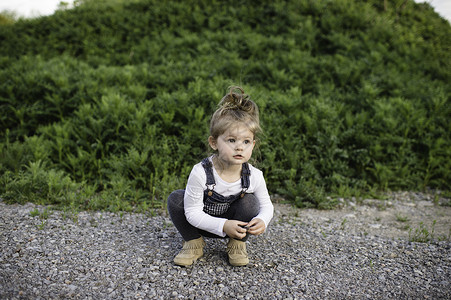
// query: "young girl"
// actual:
[[225, 195]]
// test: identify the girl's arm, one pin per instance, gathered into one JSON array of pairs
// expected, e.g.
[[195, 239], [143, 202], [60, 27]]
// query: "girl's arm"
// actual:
[[194, 204], [261, 192]]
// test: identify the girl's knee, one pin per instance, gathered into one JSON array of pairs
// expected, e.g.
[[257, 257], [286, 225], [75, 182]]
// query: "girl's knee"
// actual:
[[246, 208], [251, 203], [175, 199]]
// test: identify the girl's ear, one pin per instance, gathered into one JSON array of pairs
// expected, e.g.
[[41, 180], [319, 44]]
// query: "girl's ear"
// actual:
[[212, 142]]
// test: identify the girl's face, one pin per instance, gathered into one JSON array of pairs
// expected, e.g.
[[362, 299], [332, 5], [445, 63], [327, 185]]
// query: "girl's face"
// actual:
[[234, 146]]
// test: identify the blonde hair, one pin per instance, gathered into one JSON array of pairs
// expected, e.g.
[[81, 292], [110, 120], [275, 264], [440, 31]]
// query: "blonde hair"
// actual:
[[235, 107]]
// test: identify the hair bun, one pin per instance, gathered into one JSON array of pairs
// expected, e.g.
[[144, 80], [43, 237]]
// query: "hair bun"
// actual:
[[233, 108], [237, 101]]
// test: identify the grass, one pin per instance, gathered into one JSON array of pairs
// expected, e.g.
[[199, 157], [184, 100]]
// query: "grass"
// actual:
[[401, 218], [43, 215], [343, 223], [422, 234]]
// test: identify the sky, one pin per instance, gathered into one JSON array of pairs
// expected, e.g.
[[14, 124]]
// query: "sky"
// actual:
[[34, 8], [30, 8]]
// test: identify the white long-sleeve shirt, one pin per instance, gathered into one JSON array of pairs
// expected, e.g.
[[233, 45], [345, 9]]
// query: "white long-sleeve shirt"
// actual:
[[194, 198]]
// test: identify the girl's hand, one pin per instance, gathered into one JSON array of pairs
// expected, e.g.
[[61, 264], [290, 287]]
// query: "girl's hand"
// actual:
[[256, 226], [234, 230]]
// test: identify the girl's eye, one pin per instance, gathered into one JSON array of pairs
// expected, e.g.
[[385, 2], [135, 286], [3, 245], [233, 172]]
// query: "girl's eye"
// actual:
[[231, 140], [247, 142]]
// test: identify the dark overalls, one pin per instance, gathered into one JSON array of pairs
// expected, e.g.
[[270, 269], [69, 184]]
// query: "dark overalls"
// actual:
[[241, 207], [216, 204]]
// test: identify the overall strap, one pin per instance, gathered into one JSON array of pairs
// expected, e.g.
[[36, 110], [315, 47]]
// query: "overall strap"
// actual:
[[245, 174], [208, 167]]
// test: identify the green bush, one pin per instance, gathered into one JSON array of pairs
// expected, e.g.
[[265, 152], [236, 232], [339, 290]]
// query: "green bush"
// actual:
[[106, 105]]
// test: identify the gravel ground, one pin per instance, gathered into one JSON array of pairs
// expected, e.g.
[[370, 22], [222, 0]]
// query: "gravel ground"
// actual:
[[361, 251]]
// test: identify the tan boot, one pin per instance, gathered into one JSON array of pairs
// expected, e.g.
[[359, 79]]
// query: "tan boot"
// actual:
[[191, 251], [236, 250]]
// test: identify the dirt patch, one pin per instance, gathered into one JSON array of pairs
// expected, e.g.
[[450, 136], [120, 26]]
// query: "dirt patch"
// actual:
[[404, 215]]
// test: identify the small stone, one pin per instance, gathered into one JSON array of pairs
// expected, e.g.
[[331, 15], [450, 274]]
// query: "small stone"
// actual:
[[72, 287]]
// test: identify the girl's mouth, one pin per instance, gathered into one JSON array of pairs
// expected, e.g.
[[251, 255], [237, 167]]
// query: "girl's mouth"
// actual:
[[238, 156]]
